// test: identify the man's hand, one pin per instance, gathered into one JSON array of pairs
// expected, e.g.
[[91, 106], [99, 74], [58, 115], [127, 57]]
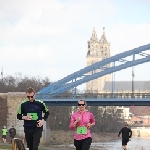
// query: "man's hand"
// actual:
[[28, 117], [89, 125], [118, 135], [40, 123]]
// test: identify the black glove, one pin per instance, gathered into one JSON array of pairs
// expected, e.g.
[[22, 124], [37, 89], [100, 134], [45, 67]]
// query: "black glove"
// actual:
[[130, 136], [118, 135]]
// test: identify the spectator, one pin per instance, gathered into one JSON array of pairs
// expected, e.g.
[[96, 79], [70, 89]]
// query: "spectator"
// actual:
[[12, 132]]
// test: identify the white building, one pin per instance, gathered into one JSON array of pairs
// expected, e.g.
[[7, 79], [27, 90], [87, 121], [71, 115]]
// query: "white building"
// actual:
[[123, 113]]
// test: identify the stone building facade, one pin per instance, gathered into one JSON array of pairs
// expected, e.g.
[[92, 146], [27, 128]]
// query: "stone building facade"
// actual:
[[97, 51], [139, 87]]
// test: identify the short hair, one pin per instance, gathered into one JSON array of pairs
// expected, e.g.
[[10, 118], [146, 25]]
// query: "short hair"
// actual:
[[30, 90], [82, 101]]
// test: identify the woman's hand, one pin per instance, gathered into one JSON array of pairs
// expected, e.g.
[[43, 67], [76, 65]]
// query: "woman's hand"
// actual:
[[78, 119], [89, 125]]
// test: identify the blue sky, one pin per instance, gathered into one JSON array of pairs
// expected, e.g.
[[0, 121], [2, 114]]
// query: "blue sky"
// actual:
[[48, 38]]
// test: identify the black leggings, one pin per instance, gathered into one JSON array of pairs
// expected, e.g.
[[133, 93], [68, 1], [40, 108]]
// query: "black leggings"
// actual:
[[83, 144], [33, 138]]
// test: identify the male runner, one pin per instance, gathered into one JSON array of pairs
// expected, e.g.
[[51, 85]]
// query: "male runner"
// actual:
[[30, 111], [126, 134]]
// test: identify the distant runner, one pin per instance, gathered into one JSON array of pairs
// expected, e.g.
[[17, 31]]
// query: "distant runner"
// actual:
[[4, 133], [126, 134]]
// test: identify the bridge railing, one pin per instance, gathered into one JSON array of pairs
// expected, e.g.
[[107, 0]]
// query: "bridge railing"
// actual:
[[96, 95]]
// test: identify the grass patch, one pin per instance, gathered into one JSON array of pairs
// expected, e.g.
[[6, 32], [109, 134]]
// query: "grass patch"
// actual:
[[5, 147], [10, 147]]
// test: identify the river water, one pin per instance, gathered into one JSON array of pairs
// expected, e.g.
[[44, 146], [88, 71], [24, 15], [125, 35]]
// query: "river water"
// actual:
[[134, 144]]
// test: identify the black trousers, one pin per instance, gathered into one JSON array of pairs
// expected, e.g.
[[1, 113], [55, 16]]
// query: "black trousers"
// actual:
[[33, 138], [11, 137], [83, 144]]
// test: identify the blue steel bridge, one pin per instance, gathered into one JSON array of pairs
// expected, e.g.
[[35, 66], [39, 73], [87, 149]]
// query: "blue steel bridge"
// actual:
[[56, 93]]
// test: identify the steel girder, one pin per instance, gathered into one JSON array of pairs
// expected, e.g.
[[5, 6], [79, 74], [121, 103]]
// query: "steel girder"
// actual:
[[80, 77], [99, 102]]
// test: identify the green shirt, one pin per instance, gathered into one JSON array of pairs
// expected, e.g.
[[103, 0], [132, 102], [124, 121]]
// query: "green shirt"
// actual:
[[4, 131]]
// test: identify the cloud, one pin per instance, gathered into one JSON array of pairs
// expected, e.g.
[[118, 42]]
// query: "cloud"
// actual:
[[125, 36], [49, 38]]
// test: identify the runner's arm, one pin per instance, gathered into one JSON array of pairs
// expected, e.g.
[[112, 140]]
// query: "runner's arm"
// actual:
[[45, 110], [73, 122], [119, 132], [92, 119], [19, 112], [130, 133], [15, 131], [46, 115], [9, 131]]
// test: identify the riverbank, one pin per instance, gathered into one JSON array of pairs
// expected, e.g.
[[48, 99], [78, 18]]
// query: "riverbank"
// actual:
[[61, 140], [57, 137], [135, 144]]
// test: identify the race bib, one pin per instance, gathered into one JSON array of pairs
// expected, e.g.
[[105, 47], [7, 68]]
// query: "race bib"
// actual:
[[33, 115], [81, 130]]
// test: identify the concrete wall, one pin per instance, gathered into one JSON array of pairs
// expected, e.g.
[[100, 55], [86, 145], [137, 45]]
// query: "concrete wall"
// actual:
[[13, 100], [3, 110]]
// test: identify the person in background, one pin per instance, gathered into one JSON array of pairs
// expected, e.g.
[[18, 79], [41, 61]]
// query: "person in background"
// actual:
[[4, 133], [126, 134], [30, 111], [12, 132], [81, 121]]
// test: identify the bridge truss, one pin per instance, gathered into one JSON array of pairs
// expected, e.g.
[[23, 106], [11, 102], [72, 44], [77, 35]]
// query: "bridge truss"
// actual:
[[98, 69]]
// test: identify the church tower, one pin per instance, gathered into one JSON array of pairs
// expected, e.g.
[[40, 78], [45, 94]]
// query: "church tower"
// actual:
[[97, 51]]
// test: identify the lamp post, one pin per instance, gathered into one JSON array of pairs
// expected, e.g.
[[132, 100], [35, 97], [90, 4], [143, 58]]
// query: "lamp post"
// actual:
[[132, 82], [113, 82], [132, 95], [148, 120], [1, 81]]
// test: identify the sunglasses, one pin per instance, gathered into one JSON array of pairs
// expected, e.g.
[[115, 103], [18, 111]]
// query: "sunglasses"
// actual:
[[81, 104], [30, 96]]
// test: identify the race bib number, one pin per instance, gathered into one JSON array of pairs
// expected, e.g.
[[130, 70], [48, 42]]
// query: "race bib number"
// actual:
[[81, 130], [33, 115]]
